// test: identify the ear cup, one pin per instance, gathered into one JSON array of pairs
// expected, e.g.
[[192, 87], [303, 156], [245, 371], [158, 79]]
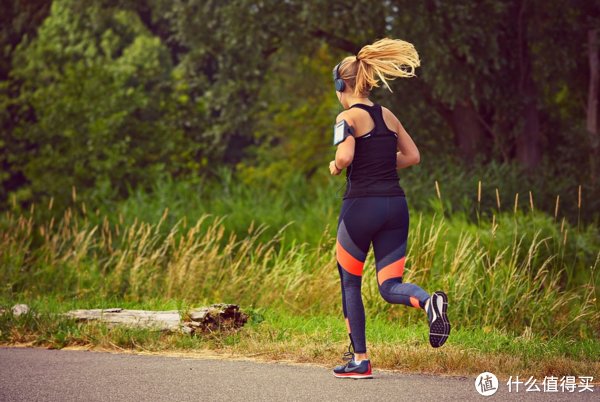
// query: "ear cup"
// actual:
[[339, 83]]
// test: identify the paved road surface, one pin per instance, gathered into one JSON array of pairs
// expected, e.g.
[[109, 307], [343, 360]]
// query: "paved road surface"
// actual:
[[36, 374]]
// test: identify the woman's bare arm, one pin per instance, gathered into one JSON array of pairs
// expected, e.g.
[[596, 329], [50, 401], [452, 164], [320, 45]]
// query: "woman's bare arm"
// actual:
[[408, 153]]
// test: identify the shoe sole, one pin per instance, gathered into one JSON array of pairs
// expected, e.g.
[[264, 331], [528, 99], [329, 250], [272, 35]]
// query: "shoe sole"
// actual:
[[353, 375], [440, 327]]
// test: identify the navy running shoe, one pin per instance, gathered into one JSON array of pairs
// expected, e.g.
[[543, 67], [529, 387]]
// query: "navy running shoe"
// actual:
[[439, 326], [352, 369]]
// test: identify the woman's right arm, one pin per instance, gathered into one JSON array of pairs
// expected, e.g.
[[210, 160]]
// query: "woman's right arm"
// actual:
[[408, 153]]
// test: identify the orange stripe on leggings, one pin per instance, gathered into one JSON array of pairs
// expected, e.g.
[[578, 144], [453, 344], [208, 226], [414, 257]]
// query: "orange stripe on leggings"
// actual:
[[415, 302], [348, 326], [394, 270], [347, 261]]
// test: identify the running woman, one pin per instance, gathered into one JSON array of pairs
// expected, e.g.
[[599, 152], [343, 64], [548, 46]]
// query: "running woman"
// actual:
[[374, 209]]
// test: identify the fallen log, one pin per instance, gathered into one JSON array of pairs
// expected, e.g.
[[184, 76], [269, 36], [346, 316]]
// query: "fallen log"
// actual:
[[216, 317]]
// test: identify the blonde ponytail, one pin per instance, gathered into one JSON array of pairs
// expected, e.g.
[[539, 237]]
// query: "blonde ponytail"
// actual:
[[386, 59]]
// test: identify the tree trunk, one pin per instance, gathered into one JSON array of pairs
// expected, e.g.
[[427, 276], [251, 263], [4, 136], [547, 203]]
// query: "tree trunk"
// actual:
[[529, 136], [464, 121], [592, 106], [468, 132]]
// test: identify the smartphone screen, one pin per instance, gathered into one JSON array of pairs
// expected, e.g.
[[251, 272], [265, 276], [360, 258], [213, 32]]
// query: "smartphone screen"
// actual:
[[338, 132]]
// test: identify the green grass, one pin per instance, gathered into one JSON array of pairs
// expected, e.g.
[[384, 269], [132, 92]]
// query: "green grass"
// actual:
[[540, 279], [272, 250], [321, 339]]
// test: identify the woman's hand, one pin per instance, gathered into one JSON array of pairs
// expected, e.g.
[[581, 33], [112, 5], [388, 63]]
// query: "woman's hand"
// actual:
[[333, 169]]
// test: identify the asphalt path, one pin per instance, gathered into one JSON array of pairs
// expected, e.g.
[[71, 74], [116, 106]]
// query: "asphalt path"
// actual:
[[37, 374]]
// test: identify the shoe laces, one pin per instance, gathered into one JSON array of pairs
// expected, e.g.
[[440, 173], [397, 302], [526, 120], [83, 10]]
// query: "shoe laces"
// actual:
[[349, 355]]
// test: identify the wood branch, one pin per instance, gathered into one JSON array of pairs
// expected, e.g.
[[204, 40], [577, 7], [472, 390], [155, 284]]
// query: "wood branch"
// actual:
[[336, 41], [216, 317], [163, 320]]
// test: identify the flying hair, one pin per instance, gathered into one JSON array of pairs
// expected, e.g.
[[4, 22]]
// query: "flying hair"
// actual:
[[384, 60]]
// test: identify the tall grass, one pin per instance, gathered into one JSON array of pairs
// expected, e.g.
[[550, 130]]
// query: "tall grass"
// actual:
[[474, 192], [521, 271]]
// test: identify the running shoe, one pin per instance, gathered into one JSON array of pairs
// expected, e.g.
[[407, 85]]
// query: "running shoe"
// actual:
[[352, 369], [439, 326]]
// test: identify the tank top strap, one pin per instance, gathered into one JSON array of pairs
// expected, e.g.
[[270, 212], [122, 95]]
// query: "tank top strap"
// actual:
[[376, 114]]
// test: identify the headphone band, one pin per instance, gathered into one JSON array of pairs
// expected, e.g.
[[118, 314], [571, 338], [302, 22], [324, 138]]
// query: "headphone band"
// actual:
[[339, 83]]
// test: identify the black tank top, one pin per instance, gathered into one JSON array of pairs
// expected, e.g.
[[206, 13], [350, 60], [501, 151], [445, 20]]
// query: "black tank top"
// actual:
[[373, 169]]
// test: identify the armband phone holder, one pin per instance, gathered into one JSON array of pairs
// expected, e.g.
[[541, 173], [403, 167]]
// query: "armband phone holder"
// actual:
[[341, 130]]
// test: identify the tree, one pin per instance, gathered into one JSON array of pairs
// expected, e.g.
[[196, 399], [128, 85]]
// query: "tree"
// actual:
[[96, 86], [19, 19]]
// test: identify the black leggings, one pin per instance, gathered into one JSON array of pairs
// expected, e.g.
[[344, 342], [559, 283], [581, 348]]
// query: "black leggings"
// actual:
[[384, 222]]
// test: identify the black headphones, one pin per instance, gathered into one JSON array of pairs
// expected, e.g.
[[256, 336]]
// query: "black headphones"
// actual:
[[340, 85]]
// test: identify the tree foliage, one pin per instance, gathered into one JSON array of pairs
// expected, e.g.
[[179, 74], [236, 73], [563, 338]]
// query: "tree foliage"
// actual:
[[110, 94], [98, 106]]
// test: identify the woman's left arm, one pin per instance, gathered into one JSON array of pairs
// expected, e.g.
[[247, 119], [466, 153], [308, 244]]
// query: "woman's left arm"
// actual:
[[345, 150]]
